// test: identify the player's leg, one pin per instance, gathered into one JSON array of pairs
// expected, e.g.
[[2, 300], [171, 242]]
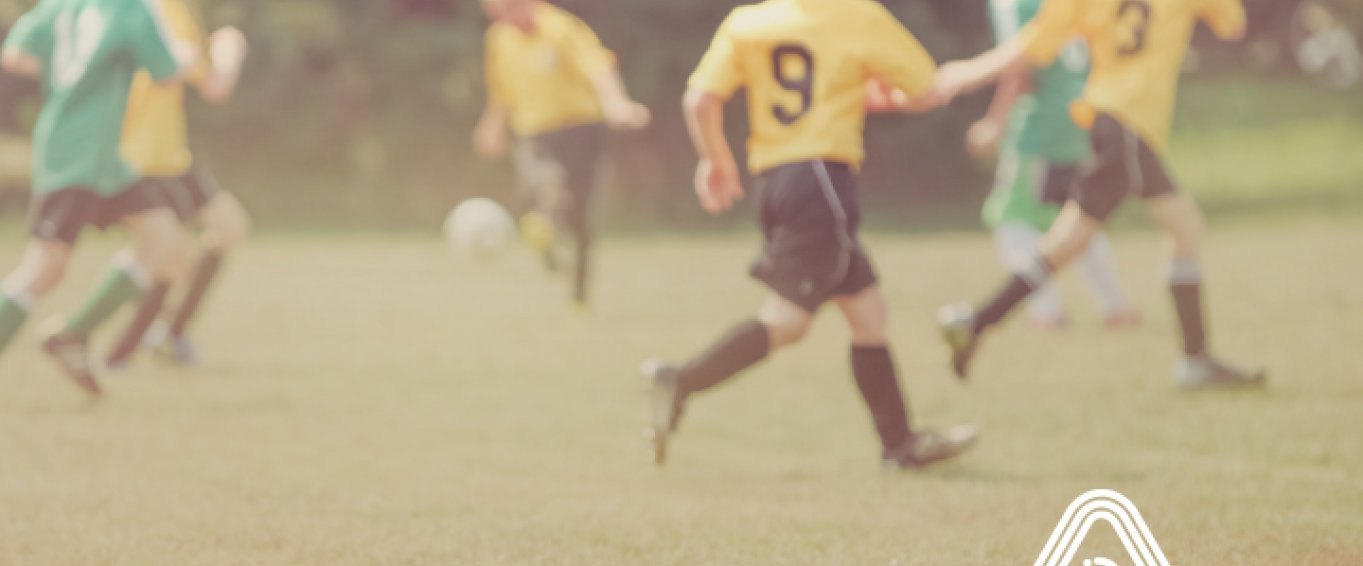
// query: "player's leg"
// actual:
[[778, 324], [539, 183], [877, 380], [1017, 244], [226, 225], [580, 152], [1097, 195], [41, 269], [1099, 265], [1182, 220]]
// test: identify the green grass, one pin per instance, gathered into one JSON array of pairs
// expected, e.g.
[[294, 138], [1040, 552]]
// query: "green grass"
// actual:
[[369, 400]]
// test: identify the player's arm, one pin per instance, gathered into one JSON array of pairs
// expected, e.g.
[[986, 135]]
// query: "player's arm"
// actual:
[[23, 46], [901, 69], [599, 65], [983, 137], [218, 76], [1039, 42], [715, 80], [490, 138], [1226, 18]]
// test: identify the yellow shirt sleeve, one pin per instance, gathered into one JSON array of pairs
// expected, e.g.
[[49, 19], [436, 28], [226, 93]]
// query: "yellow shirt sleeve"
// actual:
[[900, 60], [1051, 30], [1225, 17], [585, 50], [719, 72]]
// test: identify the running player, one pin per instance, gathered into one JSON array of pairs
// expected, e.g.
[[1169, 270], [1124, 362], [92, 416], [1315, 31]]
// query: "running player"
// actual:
[[156, 143], [86, 53], [1137, 47], [1040, 151], [806, 65], [552, 82]]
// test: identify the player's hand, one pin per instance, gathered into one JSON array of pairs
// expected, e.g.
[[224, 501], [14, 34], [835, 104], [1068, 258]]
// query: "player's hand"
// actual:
[[490, 140], [227, 47], [718, 185], [628, 115], [982, 140], [882, 98]]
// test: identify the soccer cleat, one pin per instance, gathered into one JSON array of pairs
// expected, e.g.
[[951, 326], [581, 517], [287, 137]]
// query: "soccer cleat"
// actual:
[[72, 354], [930, 447], [155, 336], [180, 350], [1122, 319], [957, 323], [1051, 323], [1206, 372], [667, 403], [538, 231]]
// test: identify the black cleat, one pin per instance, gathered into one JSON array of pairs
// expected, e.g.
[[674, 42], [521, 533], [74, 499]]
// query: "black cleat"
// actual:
[[667, 403], [930, 447], [957, 323], [73, 356], [1206, 372]]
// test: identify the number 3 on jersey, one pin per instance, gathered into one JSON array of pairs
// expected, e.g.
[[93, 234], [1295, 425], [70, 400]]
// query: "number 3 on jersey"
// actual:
[[793, 67], [1135, 13], [77, 36]]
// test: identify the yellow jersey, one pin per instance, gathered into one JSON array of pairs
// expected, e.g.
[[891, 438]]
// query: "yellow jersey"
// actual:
[[543, 79], [1137, 47], [805, 64], [155, 139]]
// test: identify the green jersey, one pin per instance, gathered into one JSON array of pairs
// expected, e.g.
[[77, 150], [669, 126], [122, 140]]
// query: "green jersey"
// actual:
[[1040, 130], [89, 50], [1041, 121]]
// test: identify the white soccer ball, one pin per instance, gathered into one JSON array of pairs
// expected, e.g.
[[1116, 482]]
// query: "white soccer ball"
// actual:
[[479, 228]]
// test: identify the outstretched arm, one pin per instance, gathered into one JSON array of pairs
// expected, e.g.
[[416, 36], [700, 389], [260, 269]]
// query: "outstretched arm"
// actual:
[[717, 181], [19, 62], [621, 111], [983, 138], [227, 50]]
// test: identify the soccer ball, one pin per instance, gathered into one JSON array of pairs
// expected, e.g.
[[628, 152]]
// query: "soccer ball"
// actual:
[[479, 228]]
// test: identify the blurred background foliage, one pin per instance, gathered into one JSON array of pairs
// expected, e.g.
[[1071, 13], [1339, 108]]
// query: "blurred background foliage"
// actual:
[[357, 112]]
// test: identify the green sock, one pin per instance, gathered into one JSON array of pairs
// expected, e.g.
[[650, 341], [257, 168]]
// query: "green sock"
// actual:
[[12, 317], [117, 288]]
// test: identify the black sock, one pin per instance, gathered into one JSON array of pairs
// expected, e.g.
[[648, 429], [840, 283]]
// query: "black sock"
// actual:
[[879, 385], [1185, 283], [740, 349], [1018, 288], [147, 311], [204, 275]]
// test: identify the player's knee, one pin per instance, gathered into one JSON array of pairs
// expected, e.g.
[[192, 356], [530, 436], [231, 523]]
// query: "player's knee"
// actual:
[[787, 332], [167, 256], [1187, 236], [45, 277], [226, 224], [1062, 251]]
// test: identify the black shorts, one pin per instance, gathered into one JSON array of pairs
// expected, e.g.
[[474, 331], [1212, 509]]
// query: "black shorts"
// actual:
[[810, 222], [63, 214], [1123, 164], [188, 193], [565, 159]]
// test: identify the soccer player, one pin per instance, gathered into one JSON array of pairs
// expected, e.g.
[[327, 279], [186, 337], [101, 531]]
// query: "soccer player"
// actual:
[[156, 143], [1137, 48], [1040, 151], [552, 82], [86, 53], [806, 65]]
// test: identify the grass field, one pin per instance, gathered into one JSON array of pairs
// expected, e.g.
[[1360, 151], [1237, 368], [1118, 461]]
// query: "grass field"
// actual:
[[367, 400]]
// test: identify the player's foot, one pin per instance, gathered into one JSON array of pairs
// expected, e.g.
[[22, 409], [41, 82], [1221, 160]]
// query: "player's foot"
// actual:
[[539, 233], [957, 323], [155, 336], [180, 350], [930, 447], [1051, 323], [72, 354], [667, 401], [1206, 372], [1122, 318]]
